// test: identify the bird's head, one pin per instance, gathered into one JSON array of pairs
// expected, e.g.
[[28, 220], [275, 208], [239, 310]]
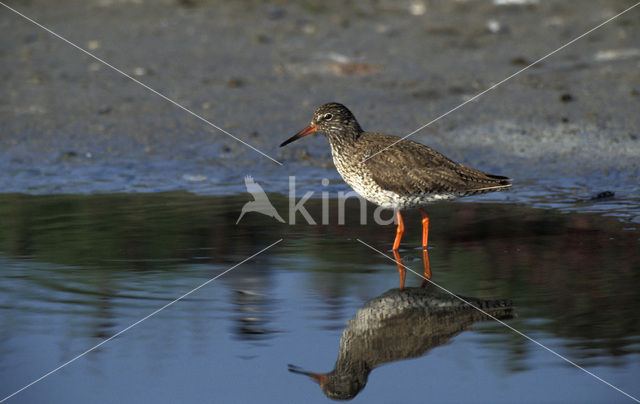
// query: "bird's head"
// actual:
[[335, 385], [333, 120]]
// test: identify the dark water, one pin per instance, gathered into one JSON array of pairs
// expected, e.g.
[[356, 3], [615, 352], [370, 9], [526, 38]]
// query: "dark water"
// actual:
[[78, 269]]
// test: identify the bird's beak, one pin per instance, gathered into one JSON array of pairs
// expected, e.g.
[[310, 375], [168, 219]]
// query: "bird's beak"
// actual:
[[319, 378], [304, 132]]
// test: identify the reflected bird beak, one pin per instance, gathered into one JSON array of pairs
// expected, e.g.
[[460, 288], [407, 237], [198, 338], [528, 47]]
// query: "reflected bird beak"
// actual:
[[319, 378], [304, 132]]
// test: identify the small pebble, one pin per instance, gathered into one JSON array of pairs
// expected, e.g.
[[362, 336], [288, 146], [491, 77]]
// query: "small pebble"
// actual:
[[140, 71], [235, 82], [417, 8], [519, 61], [340, 20], [616, 54], [261, 38], [495, 27], [382, 28], [309, 29], [566, 97]]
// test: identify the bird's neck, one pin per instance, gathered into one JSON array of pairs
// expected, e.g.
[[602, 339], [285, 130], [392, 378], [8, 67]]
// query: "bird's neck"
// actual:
[[345, 138]]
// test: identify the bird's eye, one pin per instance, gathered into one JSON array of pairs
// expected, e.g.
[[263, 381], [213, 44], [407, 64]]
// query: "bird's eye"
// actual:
[[327, 117]]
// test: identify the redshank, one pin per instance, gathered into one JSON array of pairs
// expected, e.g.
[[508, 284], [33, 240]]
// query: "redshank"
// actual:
[[392, 172]]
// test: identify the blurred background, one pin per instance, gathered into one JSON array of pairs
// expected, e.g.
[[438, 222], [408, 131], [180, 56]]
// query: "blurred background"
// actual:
[[259, 69]]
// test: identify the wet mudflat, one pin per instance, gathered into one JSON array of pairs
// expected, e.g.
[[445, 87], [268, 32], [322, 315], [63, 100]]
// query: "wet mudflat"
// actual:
[[78, 269], [70, 124]]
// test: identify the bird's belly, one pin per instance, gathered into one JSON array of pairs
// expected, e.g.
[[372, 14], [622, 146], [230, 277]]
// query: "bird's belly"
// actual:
[[392, 200], [366, 187]]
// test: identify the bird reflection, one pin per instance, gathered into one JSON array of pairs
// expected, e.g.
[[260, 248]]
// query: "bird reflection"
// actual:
[[399, 324], [403, 270]]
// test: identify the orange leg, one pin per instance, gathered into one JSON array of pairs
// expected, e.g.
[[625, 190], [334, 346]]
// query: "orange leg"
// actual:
[[401, 269], [399, 231], [425, 229], [427, 265]]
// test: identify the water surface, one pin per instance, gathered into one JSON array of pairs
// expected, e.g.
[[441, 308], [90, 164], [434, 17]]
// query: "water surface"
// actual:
[[78, 269]]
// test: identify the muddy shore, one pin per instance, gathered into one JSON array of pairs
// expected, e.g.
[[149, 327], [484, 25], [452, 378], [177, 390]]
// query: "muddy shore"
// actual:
[[258, 70]]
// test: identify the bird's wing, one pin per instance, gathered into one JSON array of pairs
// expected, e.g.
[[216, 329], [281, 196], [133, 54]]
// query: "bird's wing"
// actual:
[[408, 167]]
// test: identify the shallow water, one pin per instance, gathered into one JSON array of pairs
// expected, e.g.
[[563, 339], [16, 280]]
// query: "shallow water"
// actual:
[[77, 269]]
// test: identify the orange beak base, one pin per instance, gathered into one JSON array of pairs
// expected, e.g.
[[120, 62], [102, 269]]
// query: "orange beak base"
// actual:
[[304, 132], [319, 378]]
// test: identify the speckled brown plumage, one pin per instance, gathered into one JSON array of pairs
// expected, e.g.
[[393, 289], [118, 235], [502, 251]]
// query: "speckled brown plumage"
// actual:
[[405, 175], [398, 325]]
